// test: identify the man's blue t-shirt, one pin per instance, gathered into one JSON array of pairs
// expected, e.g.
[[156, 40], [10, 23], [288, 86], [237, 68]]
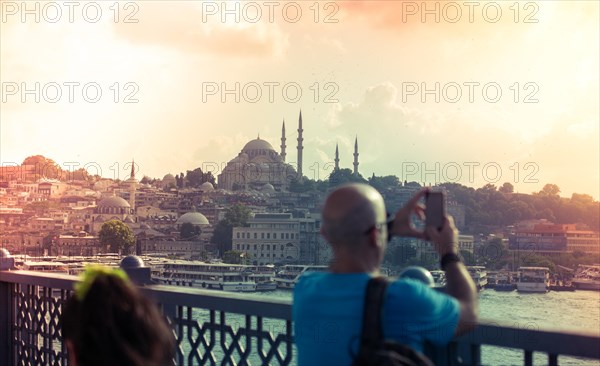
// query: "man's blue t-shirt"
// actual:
[[328, 312]]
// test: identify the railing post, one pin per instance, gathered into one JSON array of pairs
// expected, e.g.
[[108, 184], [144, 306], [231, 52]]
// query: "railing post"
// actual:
[[6, 312]]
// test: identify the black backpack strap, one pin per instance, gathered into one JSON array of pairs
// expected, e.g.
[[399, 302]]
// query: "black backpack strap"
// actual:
[[372, 341], [372, 332]]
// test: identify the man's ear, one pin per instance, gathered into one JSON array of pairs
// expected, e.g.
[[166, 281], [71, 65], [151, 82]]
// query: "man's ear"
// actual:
[[374, 237]]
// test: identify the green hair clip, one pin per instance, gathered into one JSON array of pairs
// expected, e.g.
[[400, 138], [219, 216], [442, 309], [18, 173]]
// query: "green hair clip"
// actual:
[[91, 273]]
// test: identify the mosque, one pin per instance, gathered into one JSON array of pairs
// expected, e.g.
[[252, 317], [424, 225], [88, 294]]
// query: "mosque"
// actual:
[[260, 167], [116, 208]]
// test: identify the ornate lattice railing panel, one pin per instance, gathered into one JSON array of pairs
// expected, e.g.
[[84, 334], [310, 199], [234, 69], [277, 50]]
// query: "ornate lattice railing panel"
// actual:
[[36, 334], [214, 337]]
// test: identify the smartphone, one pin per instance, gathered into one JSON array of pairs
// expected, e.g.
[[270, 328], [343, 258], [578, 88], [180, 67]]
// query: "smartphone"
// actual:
[[435, 209]]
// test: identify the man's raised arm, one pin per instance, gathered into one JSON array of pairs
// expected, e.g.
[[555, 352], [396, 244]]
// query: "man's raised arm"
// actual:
[[458, 281]]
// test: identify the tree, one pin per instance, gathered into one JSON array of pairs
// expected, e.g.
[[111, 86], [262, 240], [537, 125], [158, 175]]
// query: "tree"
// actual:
[[180, 180], [209, 177], [384, 183], [343, 176], [306, 185], [507, 188], [189, 230], [117, 236], [235, 216], [44, 167], [488, 188], [550, 190], [582, 198], [296, 186], [195, 177]]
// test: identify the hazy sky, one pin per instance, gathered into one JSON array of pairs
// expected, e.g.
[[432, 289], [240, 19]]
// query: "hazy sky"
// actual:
[[516, 86]]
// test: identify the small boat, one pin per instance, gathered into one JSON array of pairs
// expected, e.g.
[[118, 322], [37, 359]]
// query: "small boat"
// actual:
[[504, 282], [561, 287], [533, 279], [587, 277], [492, 280]]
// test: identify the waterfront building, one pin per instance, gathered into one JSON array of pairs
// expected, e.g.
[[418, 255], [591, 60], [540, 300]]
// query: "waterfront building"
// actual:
[[190, 249], [80, 244], [273, 238], [425, 250], [549, 239], [269, 238]]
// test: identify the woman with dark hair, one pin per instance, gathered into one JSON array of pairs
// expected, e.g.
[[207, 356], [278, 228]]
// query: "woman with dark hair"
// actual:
[[108, 321]]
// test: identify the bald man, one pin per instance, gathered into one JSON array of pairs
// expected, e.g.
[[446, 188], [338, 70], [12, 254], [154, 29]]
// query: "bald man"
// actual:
[[328, 306]]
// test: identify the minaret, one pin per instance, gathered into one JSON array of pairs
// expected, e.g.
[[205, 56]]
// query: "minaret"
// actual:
[[283, 141], [337, 158], [132, 187], [356, 156], [300, 139]]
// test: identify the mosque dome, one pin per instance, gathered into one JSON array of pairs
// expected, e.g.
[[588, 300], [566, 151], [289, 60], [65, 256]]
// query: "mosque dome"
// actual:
[[114, 201], [267, 188], [257, 144], [194, 218], [207, 186]]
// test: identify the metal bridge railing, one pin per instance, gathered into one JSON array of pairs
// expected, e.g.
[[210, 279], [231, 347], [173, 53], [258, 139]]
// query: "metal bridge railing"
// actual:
[[214, 327]]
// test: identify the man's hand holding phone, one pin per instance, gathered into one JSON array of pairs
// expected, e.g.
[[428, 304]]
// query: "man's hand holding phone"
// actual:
[[403, 224], [439, 228]]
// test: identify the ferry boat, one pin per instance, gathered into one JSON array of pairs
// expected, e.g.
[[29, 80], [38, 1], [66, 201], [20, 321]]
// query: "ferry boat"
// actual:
[[504, 282], [288, 275], [479, 276], [439, 279], [533, 279], [216, 276], [587, 277]]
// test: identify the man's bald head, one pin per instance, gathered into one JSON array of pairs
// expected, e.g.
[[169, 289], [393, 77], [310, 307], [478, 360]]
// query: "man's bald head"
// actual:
[[350, 211]]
